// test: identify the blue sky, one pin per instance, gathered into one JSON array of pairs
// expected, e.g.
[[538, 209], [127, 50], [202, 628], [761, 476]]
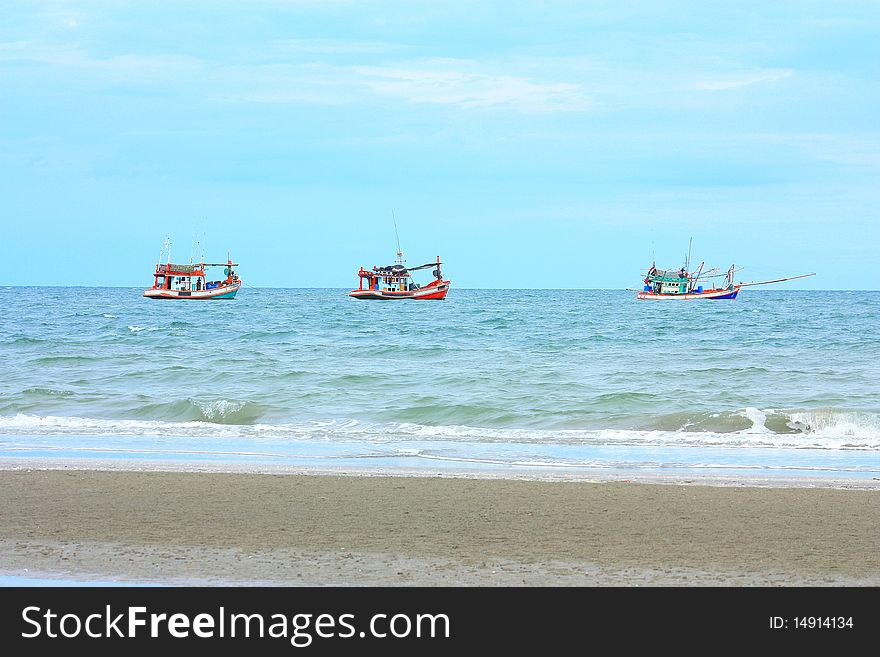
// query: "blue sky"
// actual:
[[531, 144]]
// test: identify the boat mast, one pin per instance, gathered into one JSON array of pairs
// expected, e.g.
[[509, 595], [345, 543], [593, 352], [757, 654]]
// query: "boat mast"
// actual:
[[166, 247], [198, 252], [400, 260]]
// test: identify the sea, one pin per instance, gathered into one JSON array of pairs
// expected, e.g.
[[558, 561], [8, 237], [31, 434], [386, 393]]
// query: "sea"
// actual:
[[773, 386]]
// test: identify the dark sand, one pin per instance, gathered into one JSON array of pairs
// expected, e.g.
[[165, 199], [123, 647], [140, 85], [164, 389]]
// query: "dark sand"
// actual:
[[302, 529]]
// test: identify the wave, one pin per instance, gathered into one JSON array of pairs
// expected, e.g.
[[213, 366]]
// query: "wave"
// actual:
[[821, 422], [209, 411], [137, 329], [64, 359], [40, 392], [225, 411], [25, 339], [810, 429], [434, 411]]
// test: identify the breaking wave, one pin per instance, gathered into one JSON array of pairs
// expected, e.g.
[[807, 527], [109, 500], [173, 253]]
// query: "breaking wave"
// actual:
[[750, 427], [208, 411]]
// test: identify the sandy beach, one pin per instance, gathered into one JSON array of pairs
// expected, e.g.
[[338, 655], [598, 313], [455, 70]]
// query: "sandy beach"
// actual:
[[218, 528]]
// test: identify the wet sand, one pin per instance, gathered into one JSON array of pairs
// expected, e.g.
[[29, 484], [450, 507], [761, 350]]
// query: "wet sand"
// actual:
[[196, 527]]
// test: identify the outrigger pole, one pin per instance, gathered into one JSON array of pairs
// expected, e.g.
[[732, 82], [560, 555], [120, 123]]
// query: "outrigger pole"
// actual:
[[696, 276], [777, 280]]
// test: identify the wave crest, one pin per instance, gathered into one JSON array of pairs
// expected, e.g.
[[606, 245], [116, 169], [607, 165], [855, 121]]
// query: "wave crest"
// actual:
[[814, 429]]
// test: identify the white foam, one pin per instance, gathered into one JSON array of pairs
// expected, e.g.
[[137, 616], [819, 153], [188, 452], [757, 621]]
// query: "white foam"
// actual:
[[56, 425], [758, 418], [837, 431], [219, 408], [834, 423]]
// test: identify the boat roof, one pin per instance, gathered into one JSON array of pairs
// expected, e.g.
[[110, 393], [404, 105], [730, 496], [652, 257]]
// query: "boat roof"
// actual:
[[192, 269], [400, 270], [667, 273], [180, 269]]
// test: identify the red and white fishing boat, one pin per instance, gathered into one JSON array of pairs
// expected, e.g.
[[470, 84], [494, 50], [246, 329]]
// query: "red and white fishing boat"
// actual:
[[175, 281], [396, 282]]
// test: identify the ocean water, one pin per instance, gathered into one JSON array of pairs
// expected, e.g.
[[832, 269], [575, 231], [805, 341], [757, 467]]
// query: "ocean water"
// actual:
[[775, 383]]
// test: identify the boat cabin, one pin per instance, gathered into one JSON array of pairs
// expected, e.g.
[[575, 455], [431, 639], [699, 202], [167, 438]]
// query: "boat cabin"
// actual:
[[394, 278], [394, 283], [666, 281], [385, 281], [190, 278]]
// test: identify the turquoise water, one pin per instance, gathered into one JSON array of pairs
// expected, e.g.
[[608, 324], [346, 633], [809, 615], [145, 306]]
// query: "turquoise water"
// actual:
[[775, 381]]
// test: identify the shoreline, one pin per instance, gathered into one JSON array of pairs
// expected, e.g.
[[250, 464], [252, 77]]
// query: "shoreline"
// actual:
[[306, 529], [549, 474]]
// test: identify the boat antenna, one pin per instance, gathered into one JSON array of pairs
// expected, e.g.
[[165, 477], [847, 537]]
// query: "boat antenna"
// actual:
[[687, 264], [166, 248], [204, 240], [397, 235], [196, 245]]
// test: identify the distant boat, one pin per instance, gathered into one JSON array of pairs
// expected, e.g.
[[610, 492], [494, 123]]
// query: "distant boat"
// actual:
[[686, 285], [175, 281], [396, 282], [670, 284]]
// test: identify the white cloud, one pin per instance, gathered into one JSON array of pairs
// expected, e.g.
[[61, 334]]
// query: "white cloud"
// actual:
[[770, 75], [461, 83], [471, 90], [438, 82]]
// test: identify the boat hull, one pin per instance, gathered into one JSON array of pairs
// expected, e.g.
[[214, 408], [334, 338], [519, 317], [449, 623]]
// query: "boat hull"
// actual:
[[716, 295], [430, 292], [222, 292]]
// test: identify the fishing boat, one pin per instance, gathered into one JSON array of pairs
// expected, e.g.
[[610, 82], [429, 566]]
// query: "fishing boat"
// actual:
[[680, 284], [396, 282], [175, 281], [687, 285]]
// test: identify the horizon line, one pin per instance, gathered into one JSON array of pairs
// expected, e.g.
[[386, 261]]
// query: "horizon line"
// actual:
[[585, 289]]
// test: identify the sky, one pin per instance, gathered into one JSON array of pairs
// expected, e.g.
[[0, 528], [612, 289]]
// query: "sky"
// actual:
[[530, 144]]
